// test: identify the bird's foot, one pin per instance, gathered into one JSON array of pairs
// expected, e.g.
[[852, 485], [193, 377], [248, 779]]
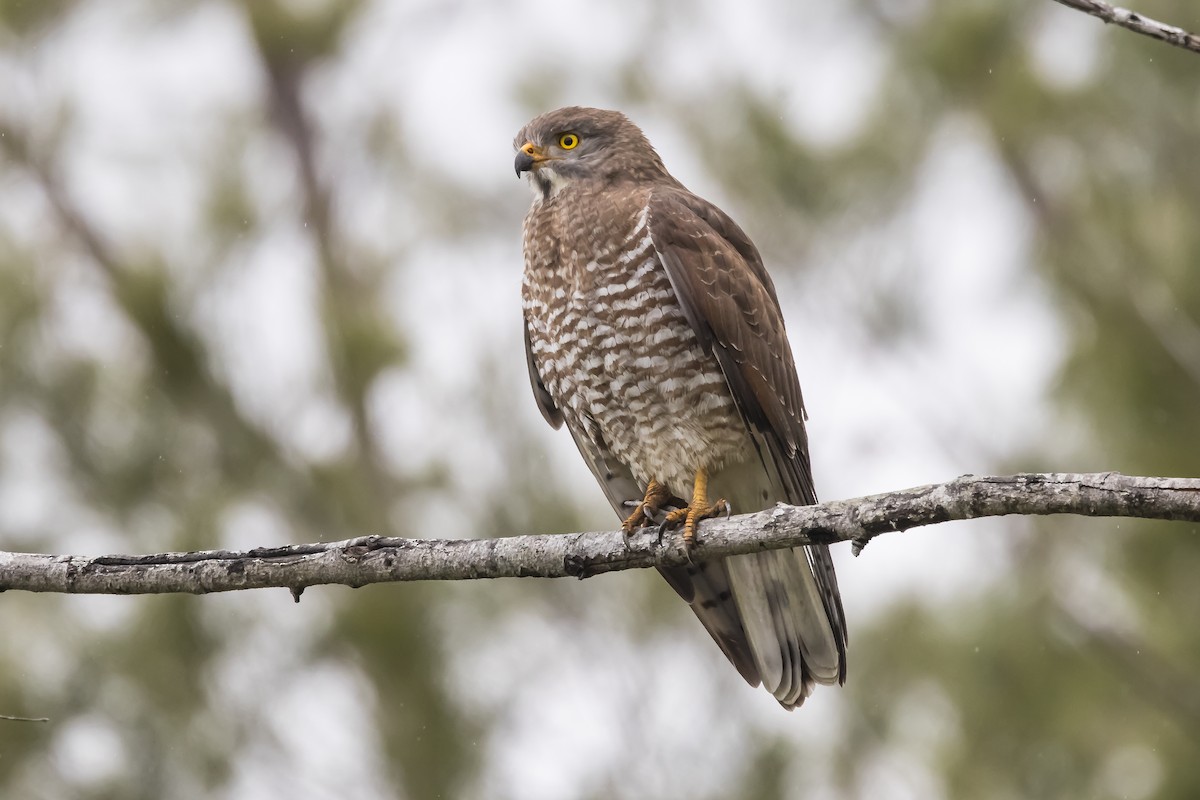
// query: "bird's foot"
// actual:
[[656, 498], [691, 514]]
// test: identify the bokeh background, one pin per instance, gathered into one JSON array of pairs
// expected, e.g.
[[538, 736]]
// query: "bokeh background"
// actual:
[[259, 276]]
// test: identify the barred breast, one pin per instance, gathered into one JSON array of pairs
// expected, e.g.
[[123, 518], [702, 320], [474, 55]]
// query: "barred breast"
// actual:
[[613, 346]]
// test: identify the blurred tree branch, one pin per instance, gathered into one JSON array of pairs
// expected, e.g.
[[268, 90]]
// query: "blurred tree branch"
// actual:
[[378, 559], [1137, 23]]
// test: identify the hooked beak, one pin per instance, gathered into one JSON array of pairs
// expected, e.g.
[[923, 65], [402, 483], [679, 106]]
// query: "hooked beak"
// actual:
[[529, 157]]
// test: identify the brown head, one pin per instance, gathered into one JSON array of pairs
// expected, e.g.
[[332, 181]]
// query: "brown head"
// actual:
[[574, 145]]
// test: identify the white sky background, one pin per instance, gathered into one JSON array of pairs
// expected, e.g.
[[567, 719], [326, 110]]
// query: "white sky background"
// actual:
[[965, 395]]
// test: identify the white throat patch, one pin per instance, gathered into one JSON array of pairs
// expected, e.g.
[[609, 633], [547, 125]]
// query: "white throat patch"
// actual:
[[546, 176]]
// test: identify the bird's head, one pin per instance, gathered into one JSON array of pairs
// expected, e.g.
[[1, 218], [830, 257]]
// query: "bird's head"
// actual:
[[574, 145]]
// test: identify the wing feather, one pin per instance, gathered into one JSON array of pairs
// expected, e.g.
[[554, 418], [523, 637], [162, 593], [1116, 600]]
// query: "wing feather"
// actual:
[[729, 300], [545, 402]]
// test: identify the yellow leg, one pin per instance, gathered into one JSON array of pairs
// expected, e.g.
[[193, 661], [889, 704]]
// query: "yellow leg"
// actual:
[[697, 510]]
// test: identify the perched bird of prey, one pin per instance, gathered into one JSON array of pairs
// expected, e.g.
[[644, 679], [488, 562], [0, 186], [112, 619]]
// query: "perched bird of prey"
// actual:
[[653, 331]]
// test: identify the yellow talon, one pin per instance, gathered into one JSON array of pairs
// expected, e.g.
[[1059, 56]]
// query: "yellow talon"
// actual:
[[656, 497], [699, 509]]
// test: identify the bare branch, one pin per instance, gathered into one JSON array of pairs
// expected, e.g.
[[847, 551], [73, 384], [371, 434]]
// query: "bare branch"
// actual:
[[377, 559], [1136, 22]]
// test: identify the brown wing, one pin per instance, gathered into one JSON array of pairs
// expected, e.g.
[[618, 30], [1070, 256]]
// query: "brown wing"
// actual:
[[730, 302], [545, 402]]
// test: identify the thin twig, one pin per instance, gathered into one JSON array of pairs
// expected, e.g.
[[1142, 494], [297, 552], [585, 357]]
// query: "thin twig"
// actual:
[[1137, 23], [11, 718], [377, 559]]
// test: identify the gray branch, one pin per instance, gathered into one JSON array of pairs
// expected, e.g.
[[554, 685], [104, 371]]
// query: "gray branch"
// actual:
[[378, 559], [1137, 22]]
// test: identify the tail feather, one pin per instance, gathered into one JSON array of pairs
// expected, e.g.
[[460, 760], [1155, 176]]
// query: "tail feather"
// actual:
[[787, 575], [706, 588], [750, 597], [785, 623]]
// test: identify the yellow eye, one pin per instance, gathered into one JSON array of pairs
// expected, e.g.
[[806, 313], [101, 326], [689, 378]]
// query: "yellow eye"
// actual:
[[568, 141]]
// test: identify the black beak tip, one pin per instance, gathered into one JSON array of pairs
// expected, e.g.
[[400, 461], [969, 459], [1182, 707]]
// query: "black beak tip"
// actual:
[[523, 163]]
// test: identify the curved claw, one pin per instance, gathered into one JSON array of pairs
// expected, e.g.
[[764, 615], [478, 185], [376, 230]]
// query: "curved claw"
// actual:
[[643, 513], [689, 515]]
